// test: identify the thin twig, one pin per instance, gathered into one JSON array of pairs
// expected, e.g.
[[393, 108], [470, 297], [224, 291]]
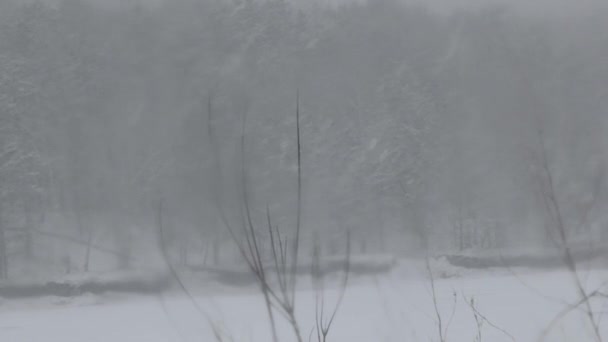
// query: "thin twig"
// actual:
[[476, 312], [435, 304]]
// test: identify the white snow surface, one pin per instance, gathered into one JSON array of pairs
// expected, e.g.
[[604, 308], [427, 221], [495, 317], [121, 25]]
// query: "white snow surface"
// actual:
[[390, 307]]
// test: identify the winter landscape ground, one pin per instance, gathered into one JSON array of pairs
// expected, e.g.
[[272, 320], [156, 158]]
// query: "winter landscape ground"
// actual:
[[516, 304]]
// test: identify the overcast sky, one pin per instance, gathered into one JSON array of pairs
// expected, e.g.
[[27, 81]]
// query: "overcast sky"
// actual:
[[536, 5], [532, 6]]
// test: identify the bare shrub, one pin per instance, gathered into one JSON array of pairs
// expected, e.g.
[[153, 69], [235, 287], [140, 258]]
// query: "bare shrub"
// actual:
[[554, 210], [323, 320]]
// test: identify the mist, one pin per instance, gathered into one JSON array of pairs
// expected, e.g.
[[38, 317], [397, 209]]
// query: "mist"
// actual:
[[251, 170]]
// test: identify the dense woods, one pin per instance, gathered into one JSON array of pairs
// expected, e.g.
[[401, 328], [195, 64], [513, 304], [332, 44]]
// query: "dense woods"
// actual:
[[419, 129]]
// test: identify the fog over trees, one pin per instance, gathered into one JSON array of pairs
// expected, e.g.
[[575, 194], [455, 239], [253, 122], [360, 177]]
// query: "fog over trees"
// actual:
[[415, 125]]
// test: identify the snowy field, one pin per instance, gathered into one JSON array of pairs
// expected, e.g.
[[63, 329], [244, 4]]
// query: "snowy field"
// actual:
[[516, 305]]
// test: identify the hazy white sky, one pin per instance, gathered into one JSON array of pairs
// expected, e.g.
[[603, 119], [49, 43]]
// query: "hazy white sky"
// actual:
[[554, 6], [537, 6]]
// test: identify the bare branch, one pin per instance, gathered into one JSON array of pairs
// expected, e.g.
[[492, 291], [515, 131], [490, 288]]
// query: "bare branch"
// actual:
[[471, 303]]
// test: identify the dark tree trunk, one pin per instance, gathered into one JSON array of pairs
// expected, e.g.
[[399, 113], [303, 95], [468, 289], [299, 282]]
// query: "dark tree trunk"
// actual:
[[28, 243], [216, 252], [87, 256], [3, 254]]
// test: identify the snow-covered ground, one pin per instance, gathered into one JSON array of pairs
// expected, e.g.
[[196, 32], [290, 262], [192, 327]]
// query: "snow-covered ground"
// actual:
[[392, 307]]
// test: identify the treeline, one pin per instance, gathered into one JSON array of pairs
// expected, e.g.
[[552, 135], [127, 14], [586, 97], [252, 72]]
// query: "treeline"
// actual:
[[417, 127]]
